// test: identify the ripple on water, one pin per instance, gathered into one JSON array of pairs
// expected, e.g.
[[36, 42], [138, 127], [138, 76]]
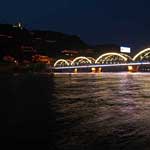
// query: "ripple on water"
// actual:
[[107, 111]]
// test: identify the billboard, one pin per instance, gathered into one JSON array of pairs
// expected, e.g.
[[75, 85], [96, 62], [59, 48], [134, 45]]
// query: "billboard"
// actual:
[[125, 49]]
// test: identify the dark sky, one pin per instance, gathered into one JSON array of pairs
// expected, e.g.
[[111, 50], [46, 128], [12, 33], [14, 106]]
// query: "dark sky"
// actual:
[[124, 22]]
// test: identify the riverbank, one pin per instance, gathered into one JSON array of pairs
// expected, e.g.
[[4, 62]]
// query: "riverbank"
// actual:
[[23, 68]]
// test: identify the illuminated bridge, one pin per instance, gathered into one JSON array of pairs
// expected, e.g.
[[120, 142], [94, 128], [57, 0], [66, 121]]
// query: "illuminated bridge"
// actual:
[[111, 61]]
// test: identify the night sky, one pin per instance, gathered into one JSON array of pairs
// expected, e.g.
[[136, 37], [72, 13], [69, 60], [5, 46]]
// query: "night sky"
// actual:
[[123, 22]]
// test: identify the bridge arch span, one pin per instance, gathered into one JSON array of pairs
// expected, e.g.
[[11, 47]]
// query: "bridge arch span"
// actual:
[[127, 56], [61, 62], [105, 56], [81, 59], [92, 59], [142, 54]]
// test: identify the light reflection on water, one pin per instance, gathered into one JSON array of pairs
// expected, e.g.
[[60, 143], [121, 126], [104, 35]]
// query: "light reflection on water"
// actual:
[[102, 111]]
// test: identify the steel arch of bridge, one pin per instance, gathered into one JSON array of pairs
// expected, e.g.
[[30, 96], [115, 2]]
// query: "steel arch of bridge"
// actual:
[[92, 59], [110, 54], [141, 54], [61, 61], [77, 59]]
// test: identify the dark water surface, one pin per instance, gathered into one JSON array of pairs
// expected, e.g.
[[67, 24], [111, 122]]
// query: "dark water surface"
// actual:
[[23, 111], [108, 111]]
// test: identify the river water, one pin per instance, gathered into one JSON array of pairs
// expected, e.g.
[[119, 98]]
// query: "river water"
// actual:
[[106, 111]]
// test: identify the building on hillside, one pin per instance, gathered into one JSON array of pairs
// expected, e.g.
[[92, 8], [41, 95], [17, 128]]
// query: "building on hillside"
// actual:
[[70, 53]]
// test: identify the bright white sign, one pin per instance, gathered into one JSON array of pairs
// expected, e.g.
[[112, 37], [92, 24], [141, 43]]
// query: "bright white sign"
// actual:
[[125, 49]]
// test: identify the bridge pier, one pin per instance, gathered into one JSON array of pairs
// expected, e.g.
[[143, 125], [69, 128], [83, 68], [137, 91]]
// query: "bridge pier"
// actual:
[[133, 68], [96, 70], [93, 70], [75, 70]]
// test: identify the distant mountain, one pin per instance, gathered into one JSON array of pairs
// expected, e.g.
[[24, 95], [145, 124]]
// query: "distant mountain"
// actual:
[[54, 42], [14, 37]]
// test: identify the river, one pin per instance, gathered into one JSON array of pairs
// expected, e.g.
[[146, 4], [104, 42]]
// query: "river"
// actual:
[[106, 111]]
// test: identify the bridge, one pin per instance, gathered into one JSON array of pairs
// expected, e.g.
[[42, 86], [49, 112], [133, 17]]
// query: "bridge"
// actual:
[[110, 61]]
